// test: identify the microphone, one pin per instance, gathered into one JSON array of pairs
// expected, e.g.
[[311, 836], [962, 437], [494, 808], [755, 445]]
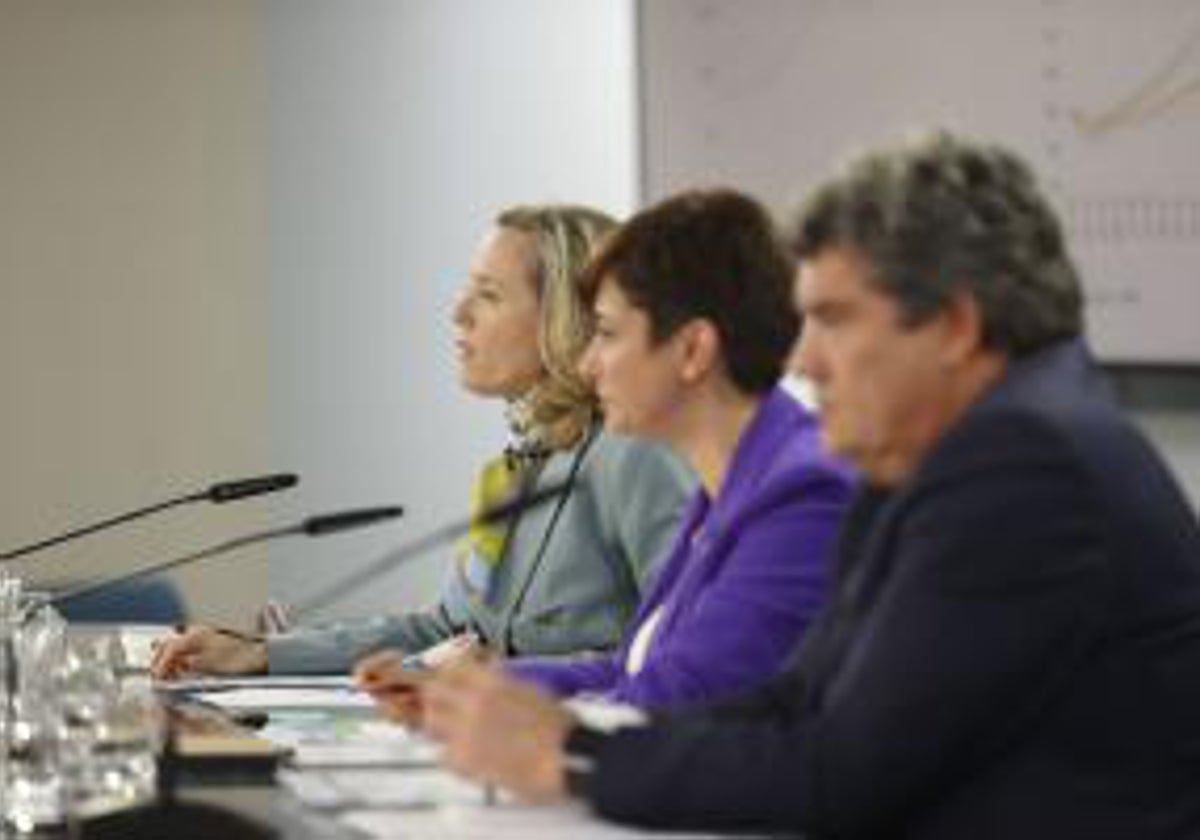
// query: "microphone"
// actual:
[[220, 493], [198, 821], [508, 509], [167, 816], [319, 526], [228, 491], [315, 526]]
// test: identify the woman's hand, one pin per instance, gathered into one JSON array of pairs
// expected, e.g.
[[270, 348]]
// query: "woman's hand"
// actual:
[[208, 650], [394, 679]]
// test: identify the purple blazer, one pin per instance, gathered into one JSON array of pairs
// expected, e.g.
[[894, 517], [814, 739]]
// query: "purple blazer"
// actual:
[[745, 576]]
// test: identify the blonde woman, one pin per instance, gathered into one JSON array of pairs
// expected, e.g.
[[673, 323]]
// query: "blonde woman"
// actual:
[[564, 578], [694, 324]]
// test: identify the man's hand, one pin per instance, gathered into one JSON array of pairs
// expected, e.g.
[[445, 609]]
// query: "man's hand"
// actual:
[[208, 650], [498, 730]]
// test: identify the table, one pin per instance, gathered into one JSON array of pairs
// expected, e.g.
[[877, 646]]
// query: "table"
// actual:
[[402, 795]]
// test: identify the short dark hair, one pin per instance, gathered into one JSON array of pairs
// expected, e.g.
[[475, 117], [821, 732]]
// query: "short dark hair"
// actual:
[[711, 254], [940, 214]]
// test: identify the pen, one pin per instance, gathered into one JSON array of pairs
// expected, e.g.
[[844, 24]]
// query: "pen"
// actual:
[[414, 662]]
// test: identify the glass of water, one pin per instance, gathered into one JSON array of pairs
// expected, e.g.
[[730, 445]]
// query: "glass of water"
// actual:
[[111, 731], [33, 641]]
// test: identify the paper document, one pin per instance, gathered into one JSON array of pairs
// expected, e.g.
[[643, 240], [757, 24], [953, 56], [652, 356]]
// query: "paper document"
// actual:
[[271, 699], [500, 822], [403, 790], [269, 693], [204, 684], [328, 740]]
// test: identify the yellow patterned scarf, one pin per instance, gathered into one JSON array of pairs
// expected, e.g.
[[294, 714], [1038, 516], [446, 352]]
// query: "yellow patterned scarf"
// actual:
[[482, 550]]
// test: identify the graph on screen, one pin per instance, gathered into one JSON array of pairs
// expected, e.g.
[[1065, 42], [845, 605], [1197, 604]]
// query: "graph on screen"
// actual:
[[1102, 96]]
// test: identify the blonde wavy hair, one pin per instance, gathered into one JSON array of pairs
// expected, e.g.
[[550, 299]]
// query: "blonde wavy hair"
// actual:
[[561, 405]]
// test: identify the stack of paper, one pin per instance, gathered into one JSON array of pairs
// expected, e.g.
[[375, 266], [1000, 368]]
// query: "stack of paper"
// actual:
[[267, 694]]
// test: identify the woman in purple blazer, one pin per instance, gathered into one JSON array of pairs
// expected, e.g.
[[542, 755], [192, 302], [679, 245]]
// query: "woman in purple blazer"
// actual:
[[693, 327]]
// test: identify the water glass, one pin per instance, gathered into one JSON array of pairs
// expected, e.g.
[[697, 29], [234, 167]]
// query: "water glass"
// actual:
[[128, 742], [33, 639], [111, 731]]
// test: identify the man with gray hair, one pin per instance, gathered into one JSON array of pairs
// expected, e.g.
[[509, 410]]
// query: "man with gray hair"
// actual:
[[1012, 648]]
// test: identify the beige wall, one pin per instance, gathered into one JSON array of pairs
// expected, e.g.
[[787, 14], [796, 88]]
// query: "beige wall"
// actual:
[[133, 340]]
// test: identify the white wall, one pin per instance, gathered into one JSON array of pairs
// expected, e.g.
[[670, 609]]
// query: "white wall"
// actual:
[[397, 128]]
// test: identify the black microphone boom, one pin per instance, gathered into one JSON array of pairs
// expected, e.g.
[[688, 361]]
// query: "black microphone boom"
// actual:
[[167, 816], [225, 491], [316, 526], [186, 820], [228, 491], [330, 523], [496, 513]]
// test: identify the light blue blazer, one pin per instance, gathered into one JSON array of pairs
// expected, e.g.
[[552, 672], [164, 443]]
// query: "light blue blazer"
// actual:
[[572, 578]]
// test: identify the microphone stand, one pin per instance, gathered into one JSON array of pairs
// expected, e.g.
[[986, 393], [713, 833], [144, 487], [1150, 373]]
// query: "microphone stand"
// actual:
[[225, 491], [212, 551], [316, 526], [398, 556], [167, 816], [13, 615]]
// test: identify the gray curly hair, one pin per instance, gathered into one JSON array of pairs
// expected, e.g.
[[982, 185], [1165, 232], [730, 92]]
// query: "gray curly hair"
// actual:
[[939, 214]]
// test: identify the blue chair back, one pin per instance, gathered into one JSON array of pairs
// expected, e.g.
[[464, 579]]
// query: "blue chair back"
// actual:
[[153, 601]]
